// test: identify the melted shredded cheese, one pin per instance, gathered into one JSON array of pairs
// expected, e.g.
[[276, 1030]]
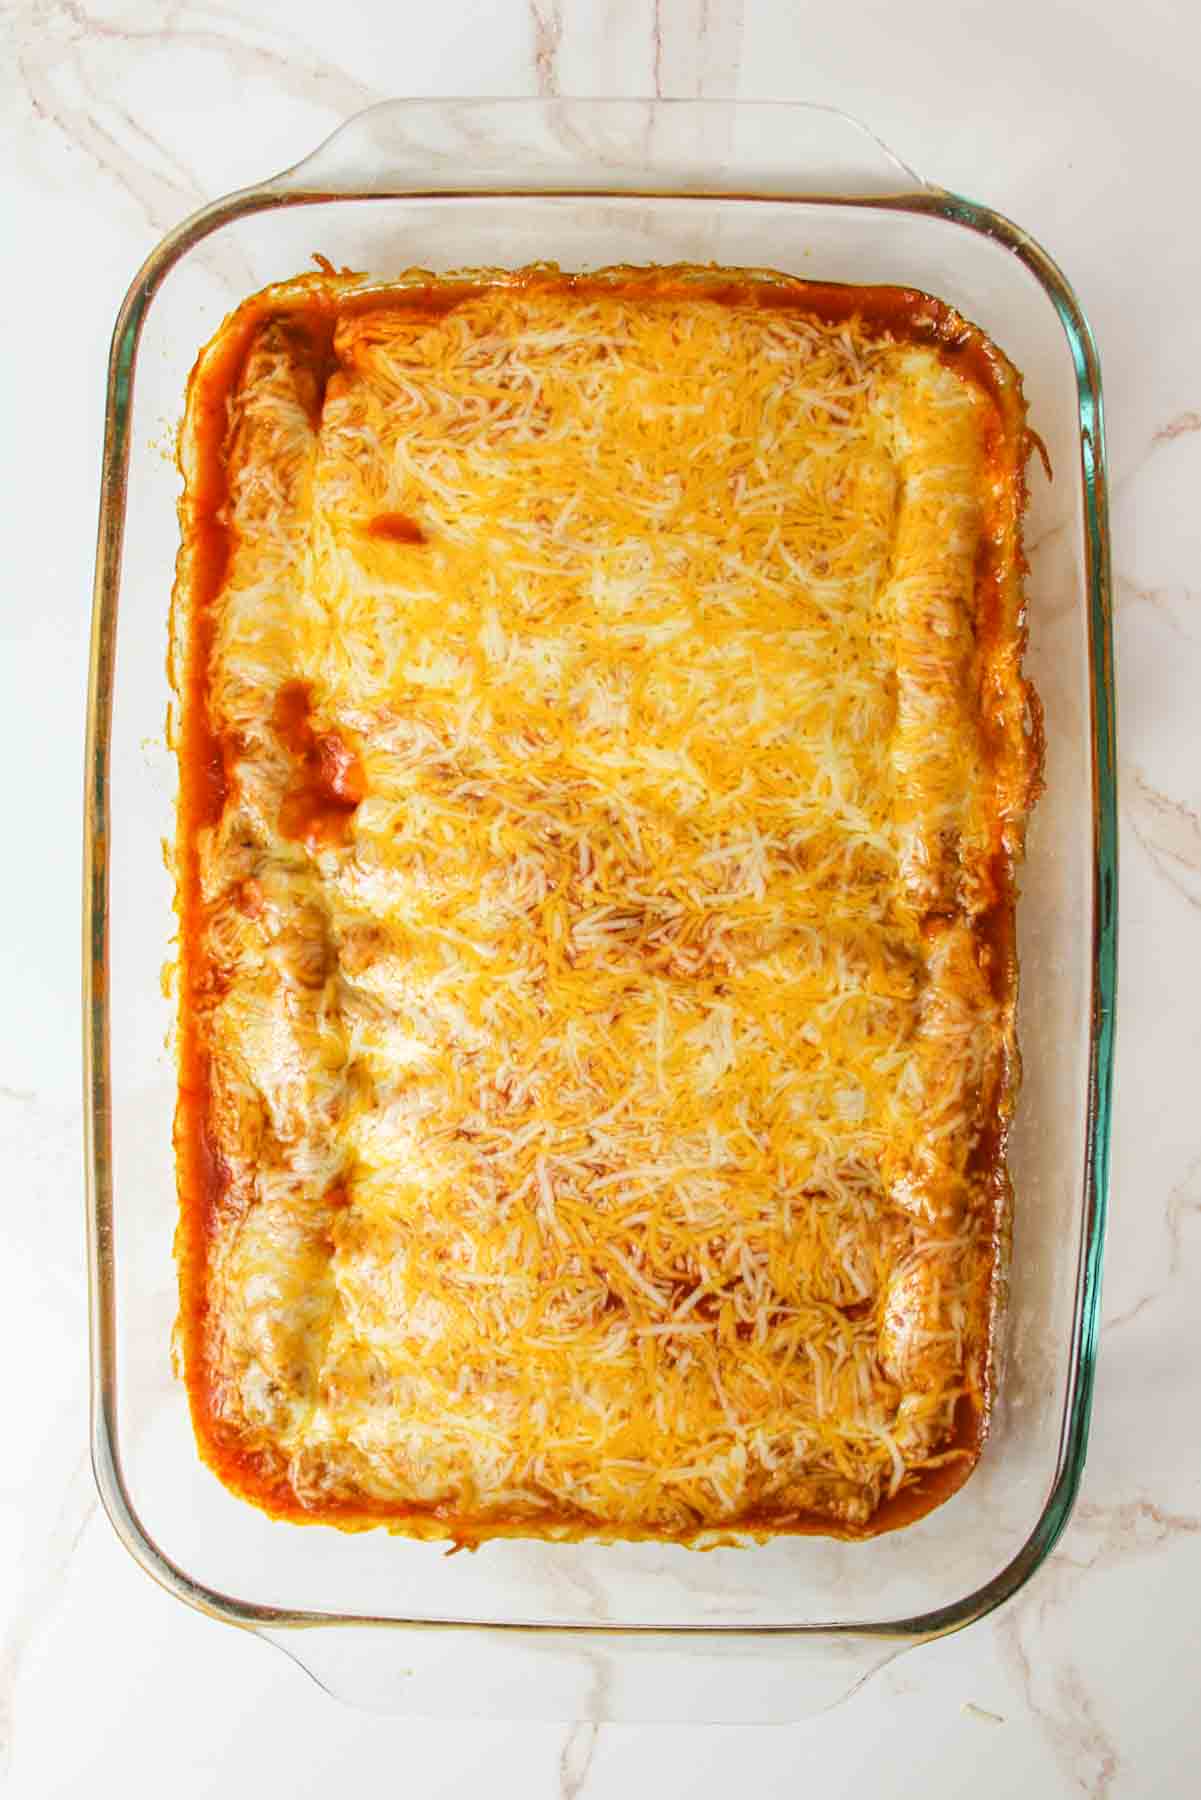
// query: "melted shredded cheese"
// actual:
[[597, 1108]]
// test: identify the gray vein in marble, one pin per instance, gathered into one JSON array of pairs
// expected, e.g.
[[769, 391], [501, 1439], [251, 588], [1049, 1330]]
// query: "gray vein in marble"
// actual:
[[47, 70], [56, 50], [1124, 1529], [1091, 1753], [1086, 1755], [580, 1741], [1183, 425], [1184, 1201], [1178, 427], [575, 1758], [1131, 1312], [581, 1589], [697, 49], [1100, 1537], [290, 67], [547, 19], [1167, 829]]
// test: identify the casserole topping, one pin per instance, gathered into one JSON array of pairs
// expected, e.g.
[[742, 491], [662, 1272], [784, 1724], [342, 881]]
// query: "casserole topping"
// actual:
[[604, 758]]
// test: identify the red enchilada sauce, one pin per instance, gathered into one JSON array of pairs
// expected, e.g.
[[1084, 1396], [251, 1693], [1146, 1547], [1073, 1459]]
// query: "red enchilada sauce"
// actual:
[[395, 528], [329, 781]]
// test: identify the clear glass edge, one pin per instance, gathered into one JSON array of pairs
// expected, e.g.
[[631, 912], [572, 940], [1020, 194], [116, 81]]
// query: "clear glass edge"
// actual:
[[106, 1460], [825, 122]]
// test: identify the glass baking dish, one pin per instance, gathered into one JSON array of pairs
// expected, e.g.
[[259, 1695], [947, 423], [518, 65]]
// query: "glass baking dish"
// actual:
[[757, 1633]]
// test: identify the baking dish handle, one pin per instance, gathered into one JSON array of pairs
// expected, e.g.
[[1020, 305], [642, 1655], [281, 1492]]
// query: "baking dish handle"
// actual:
[[629, 1677], [756, 149]]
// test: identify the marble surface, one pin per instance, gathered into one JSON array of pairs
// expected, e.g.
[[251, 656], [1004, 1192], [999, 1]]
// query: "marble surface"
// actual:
[[1077, 119]]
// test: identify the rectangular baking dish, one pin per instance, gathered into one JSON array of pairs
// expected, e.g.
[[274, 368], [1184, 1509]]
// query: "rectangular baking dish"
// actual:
[[627, 1631]]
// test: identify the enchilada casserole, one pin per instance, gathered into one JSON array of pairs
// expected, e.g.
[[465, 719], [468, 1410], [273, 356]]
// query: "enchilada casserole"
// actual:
[[604, 761]]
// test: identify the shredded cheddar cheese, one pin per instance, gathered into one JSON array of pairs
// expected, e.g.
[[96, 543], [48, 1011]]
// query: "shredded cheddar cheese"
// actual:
[[600, 977]]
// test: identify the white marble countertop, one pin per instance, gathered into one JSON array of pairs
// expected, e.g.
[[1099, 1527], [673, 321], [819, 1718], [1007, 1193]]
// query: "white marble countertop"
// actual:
[[1079, 120]]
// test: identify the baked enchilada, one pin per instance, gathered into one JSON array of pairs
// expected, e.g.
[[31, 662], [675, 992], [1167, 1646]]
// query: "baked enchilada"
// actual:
[[604, 762]]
